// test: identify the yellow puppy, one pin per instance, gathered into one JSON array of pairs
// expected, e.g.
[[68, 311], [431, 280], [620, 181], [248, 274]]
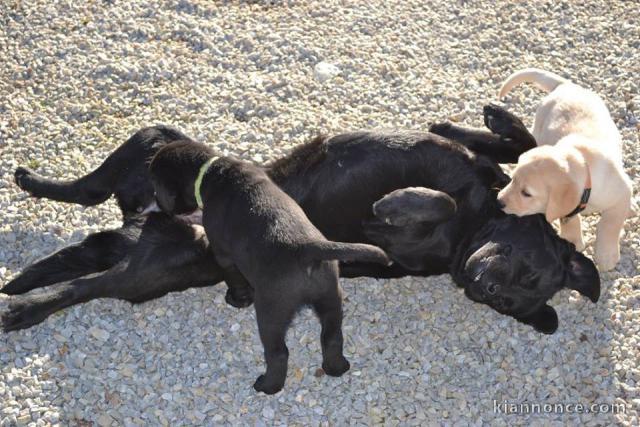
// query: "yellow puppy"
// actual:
[[576, 167]]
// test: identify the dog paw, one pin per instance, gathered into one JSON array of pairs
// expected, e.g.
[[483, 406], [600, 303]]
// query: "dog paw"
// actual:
[[20, 316], [607, 260], [336, 367], [501, 122], [14, 287], [267, 387], [26, 179], [238, 301], [22, 177]]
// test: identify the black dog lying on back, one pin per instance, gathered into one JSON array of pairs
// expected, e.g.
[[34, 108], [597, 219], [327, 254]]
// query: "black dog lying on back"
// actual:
[[512, 264], [265, 245]]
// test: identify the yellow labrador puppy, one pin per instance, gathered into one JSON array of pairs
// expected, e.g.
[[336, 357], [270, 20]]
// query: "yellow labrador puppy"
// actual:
[[576, 167]]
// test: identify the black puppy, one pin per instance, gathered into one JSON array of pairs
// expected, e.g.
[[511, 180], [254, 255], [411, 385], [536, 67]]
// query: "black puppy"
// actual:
[[124, 174], [336, 181], [265, 245], [150, 255]]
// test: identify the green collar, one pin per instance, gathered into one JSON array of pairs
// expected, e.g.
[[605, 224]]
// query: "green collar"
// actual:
[[203, 169]]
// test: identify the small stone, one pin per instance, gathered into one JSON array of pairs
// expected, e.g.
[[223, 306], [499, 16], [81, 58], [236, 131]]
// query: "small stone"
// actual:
[[98, 333], [268, 413], [324, 71]]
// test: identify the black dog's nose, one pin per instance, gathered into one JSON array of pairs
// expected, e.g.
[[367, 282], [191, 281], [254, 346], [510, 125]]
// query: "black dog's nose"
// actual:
[[501, 204], [492, 288]]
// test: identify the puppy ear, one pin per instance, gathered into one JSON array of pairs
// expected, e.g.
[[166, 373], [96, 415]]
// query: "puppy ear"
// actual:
[[414, 205], [544, 320], [165, 198], [564, 196], [583, 276]]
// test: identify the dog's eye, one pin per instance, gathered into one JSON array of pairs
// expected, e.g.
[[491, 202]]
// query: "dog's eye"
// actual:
[[525, 193]]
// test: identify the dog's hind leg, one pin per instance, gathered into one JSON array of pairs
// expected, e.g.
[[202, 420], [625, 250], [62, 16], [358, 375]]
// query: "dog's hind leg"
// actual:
[[273, 316], [126, 166], [27, 310], [92, 189], [130, 282], [329, 311], [97, 252]]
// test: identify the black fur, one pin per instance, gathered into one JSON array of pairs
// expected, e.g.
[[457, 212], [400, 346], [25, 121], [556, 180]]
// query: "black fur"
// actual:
[[123, 174], [338, 180], [508, 138], [267, 248]]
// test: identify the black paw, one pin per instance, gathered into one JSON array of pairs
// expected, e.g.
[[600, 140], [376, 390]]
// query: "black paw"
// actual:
[[25, 178], [14, 287], [267, 387], [20, 316], [440, 128], [336, 367], [503, 123], [238, 301]]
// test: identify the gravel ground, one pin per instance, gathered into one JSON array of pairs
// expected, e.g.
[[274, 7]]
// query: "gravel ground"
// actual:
[[77, 80]]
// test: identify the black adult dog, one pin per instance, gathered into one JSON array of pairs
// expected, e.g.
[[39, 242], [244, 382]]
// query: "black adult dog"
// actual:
[[266, 246], [514, 265]]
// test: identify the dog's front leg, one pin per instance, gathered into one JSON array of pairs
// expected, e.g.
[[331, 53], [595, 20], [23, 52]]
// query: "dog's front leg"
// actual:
[[571, 230], [607, 253]]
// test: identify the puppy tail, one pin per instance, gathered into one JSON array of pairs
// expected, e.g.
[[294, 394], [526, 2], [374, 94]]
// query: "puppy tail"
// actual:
[[545, 80], [348, 252]]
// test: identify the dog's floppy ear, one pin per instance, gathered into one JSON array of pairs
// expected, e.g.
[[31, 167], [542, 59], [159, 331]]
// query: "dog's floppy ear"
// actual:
[[414, 205], [165, 197], [564, 196], [544, 320], [583, 276]]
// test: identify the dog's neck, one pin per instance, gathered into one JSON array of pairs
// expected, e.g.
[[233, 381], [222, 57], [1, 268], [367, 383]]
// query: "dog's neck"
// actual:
[[579, 172], [584, 199], [198, 182]]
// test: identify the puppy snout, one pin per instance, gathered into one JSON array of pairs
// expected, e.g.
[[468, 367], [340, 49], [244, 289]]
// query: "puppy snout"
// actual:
[[501, 204]]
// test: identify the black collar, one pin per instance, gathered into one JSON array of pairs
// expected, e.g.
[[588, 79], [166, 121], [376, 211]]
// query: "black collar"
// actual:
[[581, 206]]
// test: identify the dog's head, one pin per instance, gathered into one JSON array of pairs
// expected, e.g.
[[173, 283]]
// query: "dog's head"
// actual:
[[541, 183], [134, 192], [174, 170], [515, 265]]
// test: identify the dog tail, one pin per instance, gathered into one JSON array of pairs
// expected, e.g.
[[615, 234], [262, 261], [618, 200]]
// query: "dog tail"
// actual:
[[545, 80], [348, 252]]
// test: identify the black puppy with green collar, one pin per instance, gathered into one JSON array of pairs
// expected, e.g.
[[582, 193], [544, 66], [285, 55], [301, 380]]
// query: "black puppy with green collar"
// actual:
[[266, 245]]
